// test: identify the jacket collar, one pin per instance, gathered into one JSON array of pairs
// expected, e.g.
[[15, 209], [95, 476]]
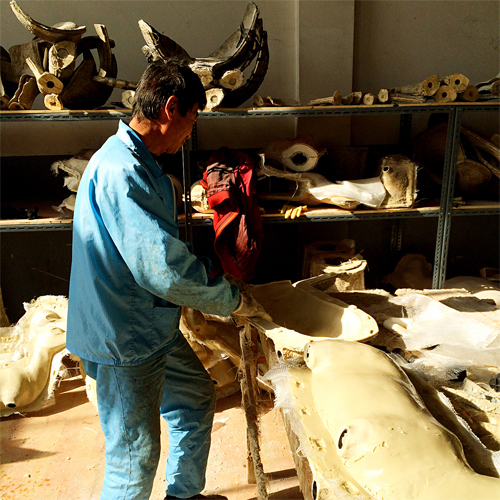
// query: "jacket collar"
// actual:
[[135, 144]]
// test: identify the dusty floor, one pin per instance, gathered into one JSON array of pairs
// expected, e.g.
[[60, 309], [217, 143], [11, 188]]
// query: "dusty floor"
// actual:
[[58, 453]]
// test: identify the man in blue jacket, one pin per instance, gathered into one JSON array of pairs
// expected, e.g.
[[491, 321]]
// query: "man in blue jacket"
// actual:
[[130, 276]]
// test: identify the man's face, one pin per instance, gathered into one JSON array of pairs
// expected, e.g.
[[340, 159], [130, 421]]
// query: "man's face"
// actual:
[[180, 129]]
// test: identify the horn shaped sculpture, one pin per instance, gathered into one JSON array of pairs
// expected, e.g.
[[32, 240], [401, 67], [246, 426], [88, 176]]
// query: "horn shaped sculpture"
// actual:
[[51, 57], [52, 34], [222, 71]]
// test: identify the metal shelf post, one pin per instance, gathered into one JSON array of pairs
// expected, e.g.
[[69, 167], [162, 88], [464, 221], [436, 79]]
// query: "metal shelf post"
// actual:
[[447, 191]]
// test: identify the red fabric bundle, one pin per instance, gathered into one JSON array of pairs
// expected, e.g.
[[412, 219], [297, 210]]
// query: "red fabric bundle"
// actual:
[[230, 184]]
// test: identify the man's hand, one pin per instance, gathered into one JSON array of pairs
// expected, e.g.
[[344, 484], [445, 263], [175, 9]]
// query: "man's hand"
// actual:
[[292, 212], [250, 308]]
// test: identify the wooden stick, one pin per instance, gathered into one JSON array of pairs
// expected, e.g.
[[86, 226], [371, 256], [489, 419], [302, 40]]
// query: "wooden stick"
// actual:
[[470, 94], [273, 101], [445, 94], [249, 395], [481, 143], [335, 99], [494, 170], [457, 82], [407, 98], [427, 87], [116, 83]]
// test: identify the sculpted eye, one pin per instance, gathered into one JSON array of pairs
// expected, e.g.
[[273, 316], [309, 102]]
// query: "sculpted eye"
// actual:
[[342, 438]]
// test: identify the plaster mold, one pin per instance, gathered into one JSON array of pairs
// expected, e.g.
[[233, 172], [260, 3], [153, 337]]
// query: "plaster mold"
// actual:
[[300, 317], [365, 433], [30, 355]]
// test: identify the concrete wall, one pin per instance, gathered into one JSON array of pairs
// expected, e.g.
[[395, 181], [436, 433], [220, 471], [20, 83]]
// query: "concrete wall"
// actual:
[[316, 47]]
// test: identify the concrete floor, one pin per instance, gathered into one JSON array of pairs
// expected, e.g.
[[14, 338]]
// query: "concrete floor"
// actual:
[[58, 453]]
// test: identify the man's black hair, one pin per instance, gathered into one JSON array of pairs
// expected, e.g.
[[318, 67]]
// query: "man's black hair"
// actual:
[[163, 79]]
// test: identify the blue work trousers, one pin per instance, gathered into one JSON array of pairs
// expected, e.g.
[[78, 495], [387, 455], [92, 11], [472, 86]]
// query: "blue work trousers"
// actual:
[[130, 400]]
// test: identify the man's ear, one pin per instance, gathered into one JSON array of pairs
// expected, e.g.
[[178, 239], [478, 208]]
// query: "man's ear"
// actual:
[[171, 107]]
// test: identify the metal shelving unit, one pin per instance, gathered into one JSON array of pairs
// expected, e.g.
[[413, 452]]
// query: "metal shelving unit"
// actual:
[[444, 214]]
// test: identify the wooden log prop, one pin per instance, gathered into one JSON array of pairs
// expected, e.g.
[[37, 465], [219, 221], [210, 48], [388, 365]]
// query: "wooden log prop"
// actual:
[[61, 59], [445, 93], [25, 95], [369, 99], [269, 101], [347, 99], [53, 34], [470, 94], [300, 154], [427, 87], [232, 79], [128, 97], [53, 102], [458, 82], [407, 98], [335, 100], [495, 140], [47, 82], [383, 96], [481, 143], [214, 98], [116, 82]]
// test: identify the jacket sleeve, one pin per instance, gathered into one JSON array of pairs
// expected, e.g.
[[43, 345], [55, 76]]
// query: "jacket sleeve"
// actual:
[[139, 215]]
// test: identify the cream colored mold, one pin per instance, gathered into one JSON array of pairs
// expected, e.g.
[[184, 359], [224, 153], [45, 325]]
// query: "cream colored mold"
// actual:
[[378, 428], [31, 356], [300, 316]]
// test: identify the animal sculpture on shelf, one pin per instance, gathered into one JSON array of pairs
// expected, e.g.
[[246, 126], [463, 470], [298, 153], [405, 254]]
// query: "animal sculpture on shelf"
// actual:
[[47, 65], [222, 71]]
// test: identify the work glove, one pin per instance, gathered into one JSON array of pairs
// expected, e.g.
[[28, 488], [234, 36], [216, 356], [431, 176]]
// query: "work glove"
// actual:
[[249, 308], [292, 212]]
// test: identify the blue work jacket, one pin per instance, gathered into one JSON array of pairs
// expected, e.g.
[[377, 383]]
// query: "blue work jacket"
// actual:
[[130, 272]]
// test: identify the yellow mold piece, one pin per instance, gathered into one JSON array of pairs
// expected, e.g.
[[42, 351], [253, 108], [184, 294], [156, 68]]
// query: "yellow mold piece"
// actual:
[[31, 354], [301, 316], [363, 431]]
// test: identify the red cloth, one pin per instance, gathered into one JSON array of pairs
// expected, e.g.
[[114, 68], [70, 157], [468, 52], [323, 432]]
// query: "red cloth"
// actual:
[[230, 184]]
